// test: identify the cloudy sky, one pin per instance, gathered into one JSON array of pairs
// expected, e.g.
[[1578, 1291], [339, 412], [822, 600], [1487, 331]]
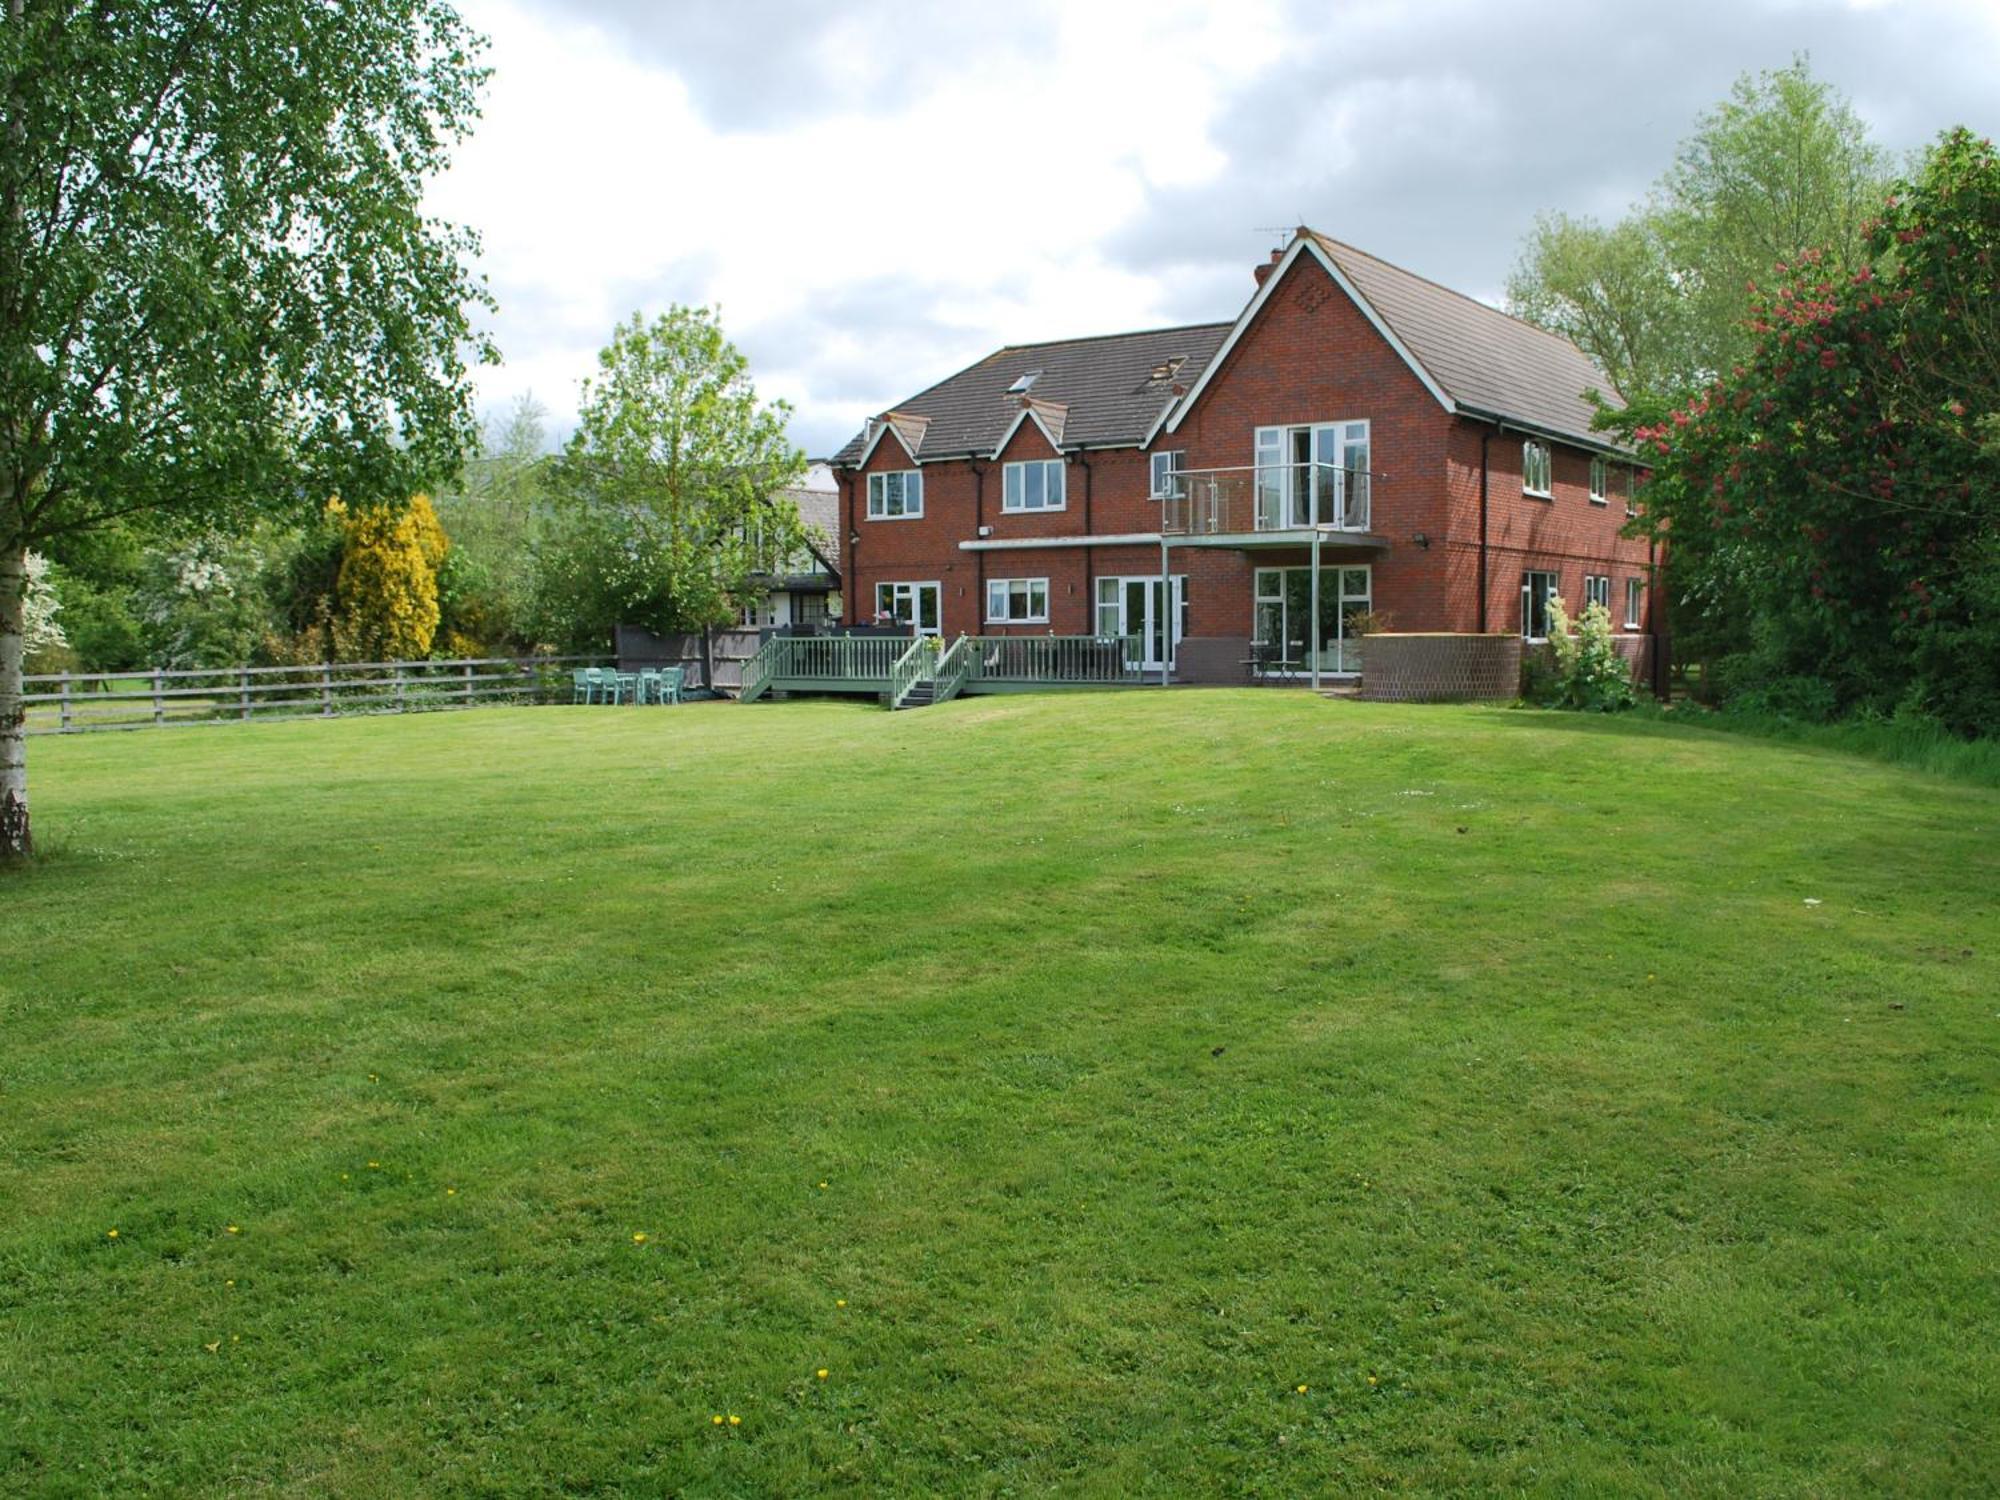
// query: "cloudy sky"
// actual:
[[878, 192]]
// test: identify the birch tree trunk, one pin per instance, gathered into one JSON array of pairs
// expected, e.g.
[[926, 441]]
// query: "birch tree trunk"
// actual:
[[14, 840]]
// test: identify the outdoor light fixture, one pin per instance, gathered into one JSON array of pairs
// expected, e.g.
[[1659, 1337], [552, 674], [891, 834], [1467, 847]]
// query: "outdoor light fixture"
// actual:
[[1423, 540], [854, 539]]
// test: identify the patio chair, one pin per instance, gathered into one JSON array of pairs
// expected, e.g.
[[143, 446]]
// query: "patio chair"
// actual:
[[669, 684], [582, 684]]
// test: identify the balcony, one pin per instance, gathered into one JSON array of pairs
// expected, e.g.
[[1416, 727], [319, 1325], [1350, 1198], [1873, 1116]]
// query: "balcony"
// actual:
[[1276, 505]]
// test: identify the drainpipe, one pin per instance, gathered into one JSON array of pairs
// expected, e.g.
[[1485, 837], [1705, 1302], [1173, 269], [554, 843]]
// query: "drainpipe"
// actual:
[[847, 531], [1089, 552], [1485, 478], [978, 558]]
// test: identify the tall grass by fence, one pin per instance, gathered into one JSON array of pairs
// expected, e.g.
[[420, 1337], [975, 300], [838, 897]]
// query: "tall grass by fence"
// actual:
[[77, 703]]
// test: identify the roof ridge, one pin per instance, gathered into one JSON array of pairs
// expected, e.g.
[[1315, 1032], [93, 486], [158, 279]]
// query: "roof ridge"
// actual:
[[1094, 338], [1498, 312]]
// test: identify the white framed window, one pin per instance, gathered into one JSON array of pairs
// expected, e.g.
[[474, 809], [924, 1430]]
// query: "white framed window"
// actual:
[[896, 496], [1537, 589], [1537, 471], [911, 604], [1312, 475], [1017, 601], [1600, 481], [1635, 602], [1167, 466], [1034, 485], [1597, 590]]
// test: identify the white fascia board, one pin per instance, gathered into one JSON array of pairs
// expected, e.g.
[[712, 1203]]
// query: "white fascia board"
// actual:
[[1035, 543], [1015, 426], [868, 452], [1303, 245]]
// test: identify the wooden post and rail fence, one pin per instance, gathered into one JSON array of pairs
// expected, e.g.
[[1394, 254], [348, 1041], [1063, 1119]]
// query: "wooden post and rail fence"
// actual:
[[149, 698]]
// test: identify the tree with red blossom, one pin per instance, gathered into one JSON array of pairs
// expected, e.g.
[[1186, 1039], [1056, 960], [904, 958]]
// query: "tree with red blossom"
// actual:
[[1832, 499]]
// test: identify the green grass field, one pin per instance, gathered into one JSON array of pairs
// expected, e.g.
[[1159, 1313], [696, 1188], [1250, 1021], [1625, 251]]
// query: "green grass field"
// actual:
[[1186, 1093]]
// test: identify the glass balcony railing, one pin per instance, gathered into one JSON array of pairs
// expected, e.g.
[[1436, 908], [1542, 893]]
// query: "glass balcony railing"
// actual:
[[1277, 497]]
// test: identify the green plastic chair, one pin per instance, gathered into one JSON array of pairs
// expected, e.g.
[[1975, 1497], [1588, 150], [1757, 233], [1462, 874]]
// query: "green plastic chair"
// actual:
[[582, 683], [670, 685]]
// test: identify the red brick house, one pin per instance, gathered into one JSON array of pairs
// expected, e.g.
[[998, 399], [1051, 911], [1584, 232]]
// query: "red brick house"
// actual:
[[1437, 452]]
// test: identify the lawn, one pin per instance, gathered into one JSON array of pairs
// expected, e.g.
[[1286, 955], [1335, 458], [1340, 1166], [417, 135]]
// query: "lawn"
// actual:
[[1184, 1093]]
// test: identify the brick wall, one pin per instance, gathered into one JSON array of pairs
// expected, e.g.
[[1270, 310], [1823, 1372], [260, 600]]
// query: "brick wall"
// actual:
[[1440, 668]]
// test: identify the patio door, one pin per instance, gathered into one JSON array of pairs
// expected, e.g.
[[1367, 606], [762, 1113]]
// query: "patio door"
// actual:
[[1152, 608], [910, 604], [1286, 629]]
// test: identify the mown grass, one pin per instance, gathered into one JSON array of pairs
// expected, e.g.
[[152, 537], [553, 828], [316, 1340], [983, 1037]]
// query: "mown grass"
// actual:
[[1568, 1106]]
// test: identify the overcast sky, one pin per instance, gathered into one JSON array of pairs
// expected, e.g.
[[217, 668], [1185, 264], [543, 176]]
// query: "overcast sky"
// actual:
[[879, 192]]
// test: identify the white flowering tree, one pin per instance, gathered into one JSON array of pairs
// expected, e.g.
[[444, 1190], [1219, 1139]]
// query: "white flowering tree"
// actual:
[[40, 629]]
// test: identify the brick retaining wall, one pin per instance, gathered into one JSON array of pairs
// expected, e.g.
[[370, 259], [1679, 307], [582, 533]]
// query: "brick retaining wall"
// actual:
[[1440, 668]]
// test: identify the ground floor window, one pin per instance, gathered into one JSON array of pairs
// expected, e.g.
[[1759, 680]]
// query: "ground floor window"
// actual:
[[911, 604], [1635, 597], [1597, 590], [1017, 601], [1140, 608], [1286, 637], [1536, 591]]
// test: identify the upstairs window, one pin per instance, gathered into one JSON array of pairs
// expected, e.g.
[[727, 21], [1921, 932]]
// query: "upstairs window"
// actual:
[[1597, 590], [1600, 482], [1167, 467], [1635, 596], [896, 496], [1537, 475], [1035, 485], [1017, 601]]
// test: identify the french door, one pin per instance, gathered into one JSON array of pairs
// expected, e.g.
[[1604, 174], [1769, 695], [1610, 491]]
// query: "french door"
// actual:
[[1285, 625], [912, 604], [1153, 609]]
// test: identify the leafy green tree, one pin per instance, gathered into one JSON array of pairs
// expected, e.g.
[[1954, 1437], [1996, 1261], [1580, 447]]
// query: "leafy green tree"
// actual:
[[495, 517], [219, 293], [1833, 503], [1781, 166], [668, 496]]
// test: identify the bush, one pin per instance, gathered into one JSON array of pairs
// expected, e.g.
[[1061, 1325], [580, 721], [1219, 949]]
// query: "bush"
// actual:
[[1582, 670]]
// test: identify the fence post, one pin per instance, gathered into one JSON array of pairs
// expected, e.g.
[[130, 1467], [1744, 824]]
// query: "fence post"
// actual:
[[243, 692], [468, 684], [62, 722], [159, 704], [397, 668], [326, 689]]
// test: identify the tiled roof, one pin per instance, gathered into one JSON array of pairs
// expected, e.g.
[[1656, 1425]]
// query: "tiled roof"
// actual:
[[1104, 387], [1484, 359], [1113, 389]]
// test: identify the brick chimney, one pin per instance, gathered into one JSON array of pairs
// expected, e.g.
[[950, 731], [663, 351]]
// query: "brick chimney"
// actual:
[[1263, 271]]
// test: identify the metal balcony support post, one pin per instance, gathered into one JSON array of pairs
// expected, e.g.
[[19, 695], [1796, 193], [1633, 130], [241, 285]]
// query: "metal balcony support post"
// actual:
[[1312, 630], [1167, 614]]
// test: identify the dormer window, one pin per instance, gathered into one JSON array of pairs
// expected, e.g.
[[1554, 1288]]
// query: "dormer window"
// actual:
[[1022, 383]]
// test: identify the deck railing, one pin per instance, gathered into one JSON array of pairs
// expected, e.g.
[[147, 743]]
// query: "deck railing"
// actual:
[[954, 668], [1055, 658], [841, 657], [1273, 497], [911, 668]]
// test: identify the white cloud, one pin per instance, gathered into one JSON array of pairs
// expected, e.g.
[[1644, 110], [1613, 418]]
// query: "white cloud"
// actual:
[[879, 194]]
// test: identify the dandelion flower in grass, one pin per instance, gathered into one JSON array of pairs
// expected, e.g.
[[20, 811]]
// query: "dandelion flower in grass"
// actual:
[[230, 1282], [1371, 1380], [820, 1373], [214, 1347], [734, 1420], [639, 1239], [234, 1230], [837, 1301], [451, 1192], [716, 1419], [111, 1234], [374, 1165], [822, 1186], [1303, 1389]]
